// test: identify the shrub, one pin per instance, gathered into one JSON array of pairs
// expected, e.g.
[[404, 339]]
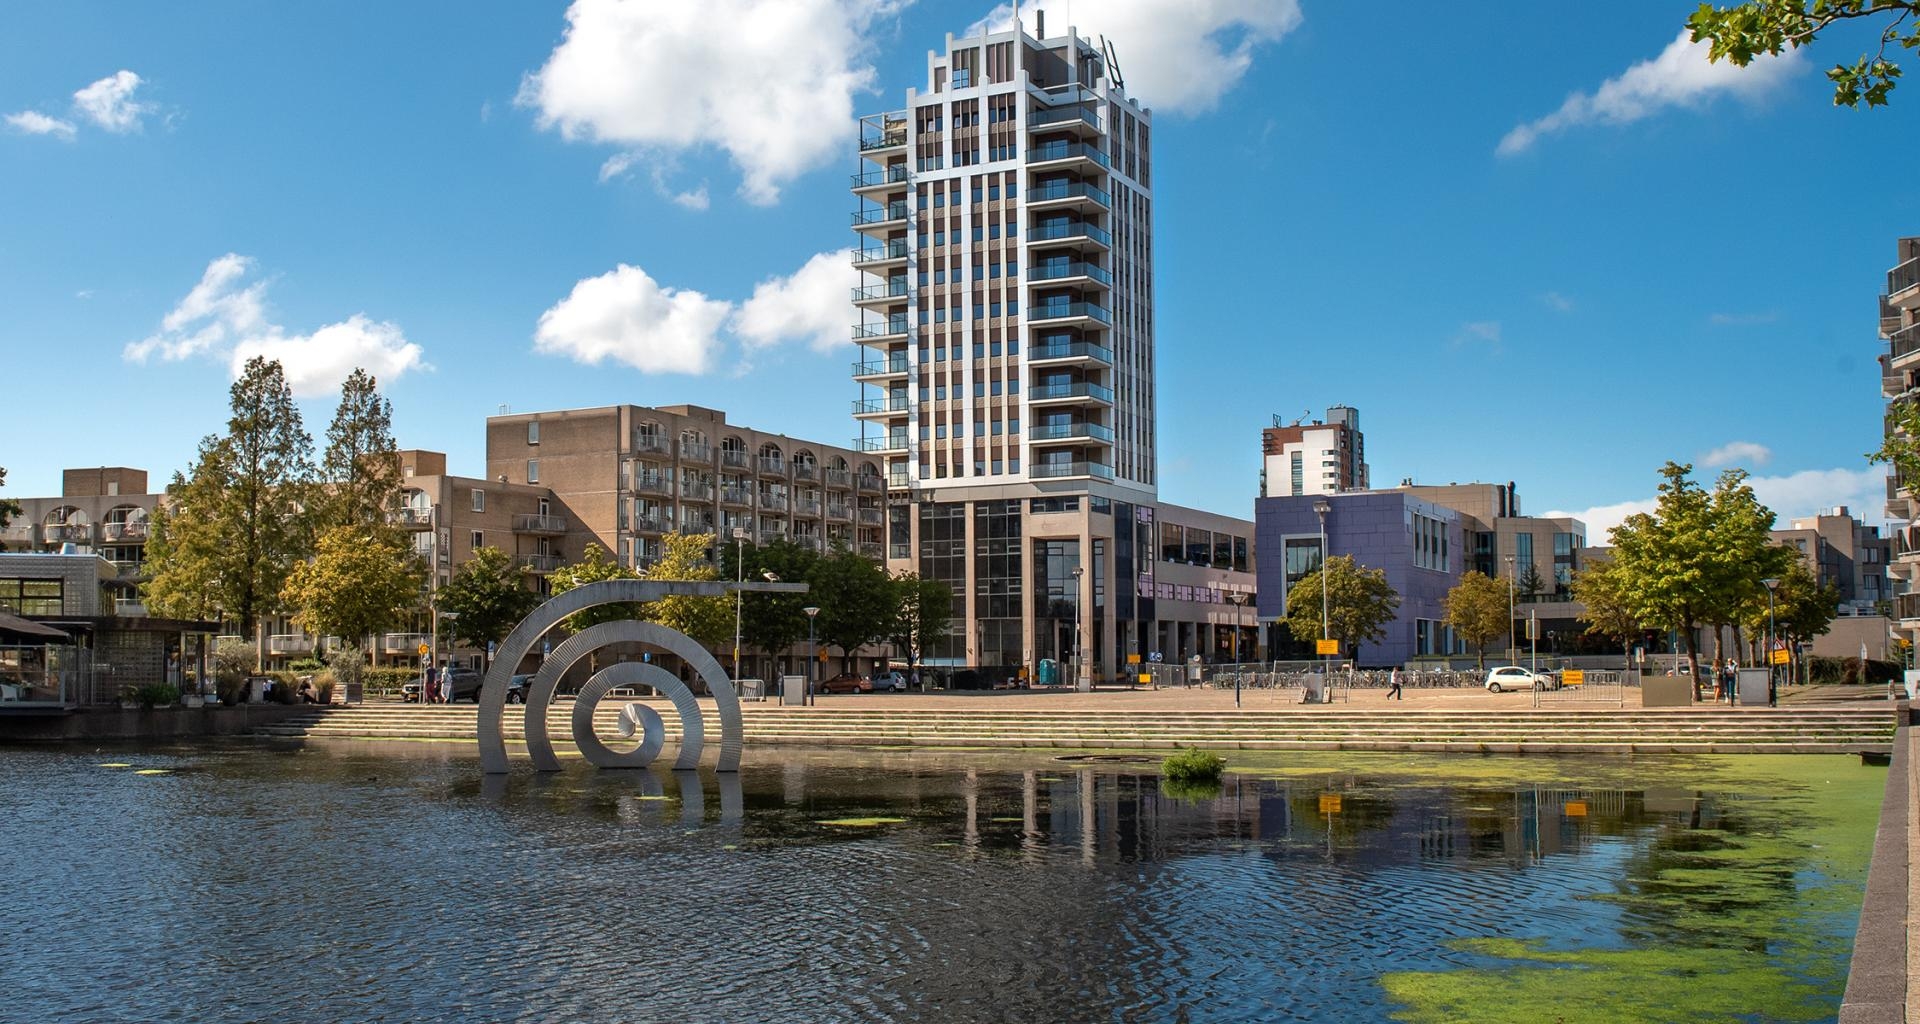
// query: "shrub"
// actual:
[[232, 661], [1193, 765], [306, 665], [1851, 671], [152, 695]]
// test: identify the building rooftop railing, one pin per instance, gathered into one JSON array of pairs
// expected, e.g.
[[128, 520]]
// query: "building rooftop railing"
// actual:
[[1904, 277]]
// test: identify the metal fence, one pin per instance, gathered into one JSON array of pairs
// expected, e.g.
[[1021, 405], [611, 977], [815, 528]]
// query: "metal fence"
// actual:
[[1588, 686]]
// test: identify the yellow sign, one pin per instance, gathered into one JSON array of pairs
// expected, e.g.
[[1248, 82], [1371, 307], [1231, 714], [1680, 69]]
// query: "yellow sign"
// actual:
[[1326, 647], [1133, 659], [1146, 677], [425, 650], [1782, 657], [1573, 677], [1576, 809], [1329, 803]]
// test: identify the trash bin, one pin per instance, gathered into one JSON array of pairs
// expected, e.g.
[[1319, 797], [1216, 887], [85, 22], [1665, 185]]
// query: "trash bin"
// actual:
[[793, 691], [1316, 684]]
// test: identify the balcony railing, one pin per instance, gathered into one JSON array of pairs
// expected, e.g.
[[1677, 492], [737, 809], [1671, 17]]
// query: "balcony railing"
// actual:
[[889, 443], [1044, 470], [895, 175], [839, 478], [1069, 310], [289, 643], [887, 366], [122, 532], [881, 254], [19, 533], [1066, 431], [656, 443], [773, 465], [870, 482], [894, 403], [411, 518], [1057, 232], [885, 140], [883, 329], [880, 215], [1904, 277], [127, 570], [1906, 606], [736, 496], [1063, 115], [897, 478], [699, 451], [736, 458], [67, 533], [841, 512], [535, 523], [1069, 190], [539, 563], [810, 541], [769, 535], [807, 506], [127, 608], [1070, 350], [1905, 341], [872, 517], [890, 290], [1077, 390], [1066, 151], [402, 643], [652, 524], [805, 470], [773, 502], [1053, 270], [696, 491], [653, 485], [872, 549]]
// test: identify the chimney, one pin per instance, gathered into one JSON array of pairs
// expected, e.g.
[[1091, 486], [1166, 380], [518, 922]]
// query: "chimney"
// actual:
[[1040, 24]]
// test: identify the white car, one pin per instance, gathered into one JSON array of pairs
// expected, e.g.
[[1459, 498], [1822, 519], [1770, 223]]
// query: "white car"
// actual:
[[1513, 677]]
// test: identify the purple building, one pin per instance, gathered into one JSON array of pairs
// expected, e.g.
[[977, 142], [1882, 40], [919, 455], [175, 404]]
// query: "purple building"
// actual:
[[1421, 546]]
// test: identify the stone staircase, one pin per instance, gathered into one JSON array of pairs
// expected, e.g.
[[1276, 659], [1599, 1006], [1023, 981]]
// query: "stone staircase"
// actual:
[[1518, 731]]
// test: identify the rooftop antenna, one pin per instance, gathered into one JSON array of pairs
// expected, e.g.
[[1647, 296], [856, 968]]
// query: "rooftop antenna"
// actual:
[[505, 409], [1304, 413], [1113, 63]]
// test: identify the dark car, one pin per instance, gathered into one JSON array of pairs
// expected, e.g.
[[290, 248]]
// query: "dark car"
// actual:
[[847, 682], [461, 684], [517, 688]]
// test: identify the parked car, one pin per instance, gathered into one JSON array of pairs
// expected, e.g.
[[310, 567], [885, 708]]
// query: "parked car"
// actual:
[[517, 688], [1513, 677], [890, 681], [462, 684], [847, 682]]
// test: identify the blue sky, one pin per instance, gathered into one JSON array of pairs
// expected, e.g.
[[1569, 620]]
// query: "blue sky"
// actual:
[[1675, 260]]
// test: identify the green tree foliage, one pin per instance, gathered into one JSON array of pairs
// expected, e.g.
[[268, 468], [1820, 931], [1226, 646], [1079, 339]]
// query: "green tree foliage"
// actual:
[[1530, 583], [1739, 33], [361, 467], [1802, 608], [1477, 609], [593, 567], [771, 622], [1359, 603], [923, 614], [237, 521], [357, 584], [683, 556], [1598, 589], [1901, 446], [488, 596], [8, 507], [856, 599]]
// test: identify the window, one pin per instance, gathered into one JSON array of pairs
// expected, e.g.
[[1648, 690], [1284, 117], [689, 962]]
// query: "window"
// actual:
[[479, 500], [477, 541], [533, 471], [533, 431], [33, 597]]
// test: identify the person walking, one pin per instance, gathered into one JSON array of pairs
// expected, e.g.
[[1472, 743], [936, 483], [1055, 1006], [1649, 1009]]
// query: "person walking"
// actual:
[[1730, 676], [429, 688], [1393, 693]]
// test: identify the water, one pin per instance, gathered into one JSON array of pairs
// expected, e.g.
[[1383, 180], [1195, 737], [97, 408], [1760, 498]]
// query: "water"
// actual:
[[393, 883]]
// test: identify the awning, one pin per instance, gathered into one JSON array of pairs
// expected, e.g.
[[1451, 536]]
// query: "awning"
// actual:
[[15, 626]]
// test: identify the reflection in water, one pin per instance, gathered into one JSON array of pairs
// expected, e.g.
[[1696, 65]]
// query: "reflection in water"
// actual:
[[364, 882]]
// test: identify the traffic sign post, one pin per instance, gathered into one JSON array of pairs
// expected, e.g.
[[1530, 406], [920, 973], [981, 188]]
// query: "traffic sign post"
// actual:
[[1326, 648]]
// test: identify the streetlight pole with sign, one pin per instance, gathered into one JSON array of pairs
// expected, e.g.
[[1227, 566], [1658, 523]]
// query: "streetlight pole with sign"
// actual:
[[812, 650]]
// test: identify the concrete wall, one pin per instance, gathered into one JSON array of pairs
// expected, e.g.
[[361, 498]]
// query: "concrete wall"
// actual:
[[92, 724]]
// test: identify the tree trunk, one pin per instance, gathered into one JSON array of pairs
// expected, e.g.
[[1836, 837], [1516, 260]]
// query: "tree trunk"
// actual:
[[1739, 650], [1483, 656]]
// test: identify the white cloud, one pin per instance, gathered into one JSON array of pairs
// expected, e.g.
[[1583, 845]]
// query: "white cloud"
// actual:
[[619, 165], [1681, 76], [628, 317], [769, 82], [34, 122], [1794, 495], [1175, 55], [1479, 332], [109, 102], [1557, 302], [223, 315], [809, 305], [1748, 454]]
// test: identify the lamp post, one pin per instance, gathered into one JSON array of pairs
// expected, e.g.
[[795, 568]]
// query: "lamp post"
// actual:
[[1321, 508], [1513, 644], [812, 653], [1772, 585], [1078, 573], [1239, 599], [739, 577]]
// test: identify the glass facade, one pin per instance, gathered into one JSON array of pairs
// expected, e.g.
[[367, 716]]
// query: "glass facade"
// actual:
[[997, 546]]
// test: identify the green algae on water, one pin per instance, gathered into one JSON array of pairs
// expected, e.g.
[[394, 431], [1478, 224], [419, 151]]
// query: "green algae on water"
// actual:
[[874, 822]]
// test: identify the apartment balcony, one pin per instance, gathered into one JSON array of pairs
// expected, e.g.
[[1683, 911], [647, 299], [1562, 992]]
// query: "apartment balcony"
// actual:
[[659, 485], [839, 478], [772, 534], [739, 497], [654, 444], [1903, 284], [1077, 433], [872, 549], [1079, 120], [897, 480], [403, 643], [773, 503], [806, 472], [1906, 541], [1066, 156], [881, 255], [884, 333], [884, 408], [891, 135], [539, 524], [841, 513], [67, 533], [1062, 394], [1066, 271], [807, 507], [1069, 353], [1904, 343], [1075, 234], [810, 541], [696, 491], [19, 533], [129, 570], [1069, 470], [872, 517], [128, 608], [128, 532], [1069, 195], [886, 443], [735, 458], [541, 564], [652, 524], [880, 370], [772, 465], [696, 451], [884, 179], [881, 220], [1906, 607], [1069, 313], [289, 643], [894, 292], [870, 483]]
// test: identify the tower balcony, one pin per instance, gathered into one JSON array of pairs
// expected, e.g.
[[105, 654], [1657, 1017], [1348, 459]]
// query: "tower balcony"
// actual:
[[1903, 284], [1069, 314], [1064, 270], [880, 408], [1065, 196], [1903, 345], [880, 370], [881, 134], [881, 221], [882, 180], [1081, 122], [1066, 156], [881, 296], [1068, 353], [893, 253], [1076, 235], [884, 443], [1072, 393], [539, 524], [1076, 432], [884, 333], [1069, 470]]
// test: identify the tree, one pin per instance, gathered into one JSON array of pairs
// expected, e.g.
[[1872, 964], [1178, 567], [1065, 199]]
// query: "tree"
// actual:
[[923, 614], [683, 557], [771, 622], [8, 507], [593, 567], [357, 584], [1744, 31], [1598, 589], [361, 467], [1802, 607], [488, 596], [1477, 608], [1359, 602], [237, 521], [856, 601], [1742, 538], [1530, 583], [1901, 446]]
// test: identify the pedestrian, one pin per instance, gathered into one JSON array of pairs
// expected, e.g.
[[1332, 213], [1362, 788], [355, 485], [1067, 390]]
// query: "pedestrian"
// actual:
[[428, 688], [1730, 676], [1394, 692]]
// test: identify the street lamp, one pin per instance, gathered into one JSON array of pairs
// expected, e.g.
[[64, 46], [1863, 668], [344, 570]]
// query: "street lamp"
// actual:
[[812, 654], [1078, 572], [1321, 508], [1239, 599], [1513, 642], [1772, 585], [739, 577]]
